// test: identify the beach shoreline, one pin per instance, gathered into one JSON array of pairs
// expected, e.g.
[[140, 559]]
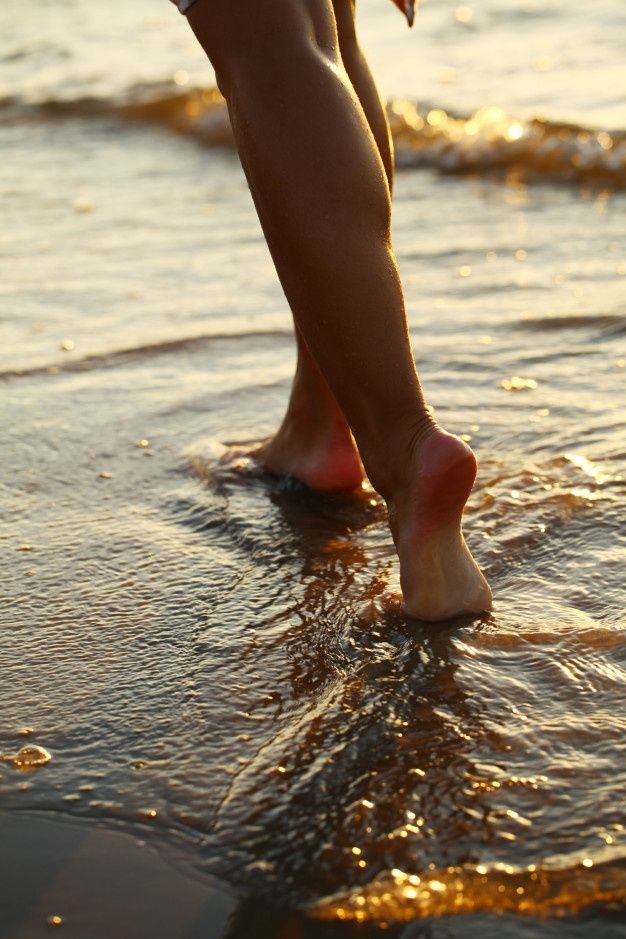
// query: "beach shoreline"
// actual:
[[101, 882], [80, 879]]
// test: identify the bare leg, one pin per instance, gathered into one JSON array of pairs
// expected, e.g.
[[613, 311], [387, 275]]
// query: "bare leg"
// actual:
[[357, 67], [314, 442], [319, 186]]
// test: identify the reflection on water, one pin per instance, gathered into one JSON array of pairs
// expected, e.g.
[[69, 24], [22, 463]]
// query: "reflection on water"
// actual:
[[418, 766], [253, 918]]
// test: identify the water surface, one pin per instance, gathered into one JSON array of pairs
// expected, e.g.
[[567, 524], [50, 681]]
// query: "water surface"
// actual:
[[205, 652]]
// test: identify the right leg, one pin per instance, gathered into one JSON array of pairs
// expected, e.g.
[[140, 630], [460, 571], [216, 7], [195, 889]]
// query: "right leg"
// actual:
[[319, 186]]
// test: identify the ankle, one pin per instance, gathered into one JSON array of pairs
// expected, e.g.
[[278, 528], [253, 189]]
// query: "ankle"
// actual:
[[317, 413], [392, 462]]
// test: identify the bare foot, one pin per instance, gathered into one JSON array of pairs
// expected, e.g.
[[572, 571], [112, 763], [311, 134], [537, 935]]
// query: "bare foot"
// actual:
[[314, 443], [320, 453], [439, 577]]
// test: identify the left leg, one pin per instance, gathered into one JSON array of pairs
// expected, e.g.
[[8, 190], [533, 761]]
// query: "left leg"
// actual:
[[314, 442]]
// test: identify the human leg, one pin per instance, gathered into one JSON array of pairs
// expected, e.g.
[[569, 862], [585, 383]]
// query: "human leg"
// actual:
[[314, 442], [319, 185], [362, 80]]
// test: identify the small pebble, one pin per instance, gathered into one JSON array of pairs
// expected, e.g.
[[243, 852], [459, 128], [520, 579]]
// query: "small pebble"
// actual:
[[463, 14], [517, 383], [67, 345], [84, 206], [105, 475], [29, 756]]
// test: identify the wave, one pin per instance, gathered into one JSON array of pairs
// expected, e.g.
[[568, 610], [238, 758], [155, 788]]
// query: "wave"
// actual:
[[490, 140], [485, 142], [612, 323], [127, 356], [496, 888]]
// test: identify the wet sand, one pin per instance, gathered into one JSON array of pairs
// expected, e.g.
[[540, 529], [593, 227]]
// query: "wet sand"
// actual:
[[81, 880]]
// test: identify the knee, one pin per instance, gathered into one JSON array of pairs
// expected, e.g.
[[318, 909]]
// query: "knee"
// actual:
[[258, 72], [252, 45]]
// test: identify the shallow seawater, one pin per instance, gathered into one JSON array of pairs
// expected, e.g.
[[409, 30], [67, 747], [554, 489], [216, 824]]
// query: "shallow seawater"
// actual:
[[206, 653]]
